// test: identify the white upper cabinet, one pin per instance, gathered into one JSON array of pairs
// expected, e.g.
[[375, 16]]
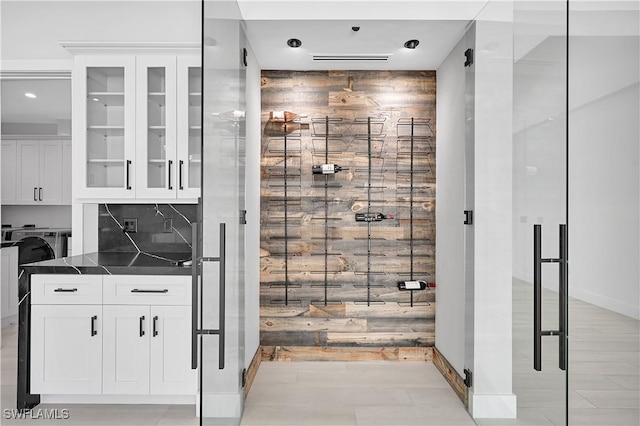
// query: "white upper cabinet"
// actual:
[[138, 124]]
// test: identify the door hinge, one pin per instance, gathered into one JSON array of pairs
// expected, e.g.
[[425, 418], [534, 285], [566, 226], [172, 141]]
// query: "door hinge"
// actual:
[[243, 217], [468, 217], [468, 378], [468, 55]]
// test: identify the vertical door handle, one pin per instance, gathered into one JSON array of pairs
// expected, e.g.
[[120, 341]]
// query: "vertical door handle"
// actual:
[[194, 295], [180, 165], [169, 166], [142, 326], [128, 175], [221, 312], [538, 332], [35, 193], [155, 326], [93, 325], [39, 194]]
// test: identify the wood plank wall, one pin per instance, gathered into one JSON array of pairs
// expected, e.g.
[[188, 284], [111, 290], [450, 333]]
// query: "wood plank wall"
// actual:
[[357, 301]]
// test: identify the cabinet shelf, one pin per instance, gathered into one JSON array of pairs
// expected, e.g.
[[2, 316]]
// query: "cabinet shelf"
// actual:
[[105, 161], [158, 130], [157, 98], [107, 130], [107, 98]]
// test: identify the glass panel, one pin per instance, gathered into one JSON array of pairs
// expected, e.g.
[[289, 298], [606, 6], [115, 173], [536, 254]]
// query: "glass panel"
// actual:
[[105, 127], [195, 117], [539, 197], [223, 84], [604, 187], [156, 128]]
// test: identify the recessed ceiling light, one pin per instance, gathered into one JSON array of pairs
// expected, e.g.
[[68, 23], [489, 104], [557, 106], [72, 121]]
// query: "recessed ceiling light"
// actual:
[[294, 42], [96, 100], [411, 44], [30, 95]]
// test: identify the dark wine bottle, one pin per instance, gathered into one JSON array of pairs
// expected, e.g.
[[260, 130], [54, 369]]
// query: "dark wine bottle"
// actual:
[[372, 217], [327, 169], [412, 285]]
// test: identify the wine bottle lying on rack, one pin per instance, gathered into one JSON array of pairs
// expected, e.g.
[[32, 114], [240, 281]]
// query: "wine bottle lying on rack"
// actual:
[[372, 217], [412, 285], [327, 169], [284, 116]]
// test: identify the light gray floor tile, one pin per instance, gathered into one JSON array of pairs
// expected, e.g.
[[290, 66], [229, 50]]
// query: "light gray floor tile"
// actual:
[[627, 382], [412, 415], [307, 414], [612, 399]]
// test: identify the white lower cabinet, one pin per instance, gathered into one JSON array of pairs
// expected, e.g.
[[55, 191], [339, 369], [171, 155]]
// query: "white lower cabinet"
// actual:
[[135, 340], [146, 350], [66, 349]]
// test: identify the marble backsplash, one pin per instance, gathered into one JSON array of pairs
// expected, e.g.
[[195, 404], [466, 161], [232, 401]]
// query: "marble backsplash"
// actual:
[[161, 228]]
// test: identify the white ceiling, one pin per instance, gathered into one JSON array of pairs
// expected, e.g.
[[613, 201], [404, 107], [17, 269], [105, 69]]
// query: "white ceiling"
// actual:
[[269, 42]]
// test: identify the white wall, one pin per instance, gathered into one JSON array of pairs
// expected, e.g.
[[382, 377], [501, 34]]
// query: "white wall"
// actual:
[[604, 183], [450, 196], [252, 232]]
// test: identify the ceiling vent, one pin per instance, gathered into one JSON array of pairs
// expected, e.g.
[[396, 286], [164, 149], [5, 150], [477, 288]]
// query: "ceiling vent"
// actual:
[[318, 57]]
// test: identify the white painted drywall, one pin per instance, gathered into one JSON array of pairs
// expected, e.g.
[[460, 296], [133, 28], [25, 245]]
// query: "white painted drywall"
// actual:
[[41, 216], [450, 196], [604, 183]]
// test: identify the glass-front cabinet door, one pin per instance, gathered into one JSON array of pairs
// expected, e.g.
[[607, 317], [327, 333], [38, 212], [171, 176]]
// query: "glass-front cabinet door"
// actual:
[[156, 127], [104, 123], [189, 126]]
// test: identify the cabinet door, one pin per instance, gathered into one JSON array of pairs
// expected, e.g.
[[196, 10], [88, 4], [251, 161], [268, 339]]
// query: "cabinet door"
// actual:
[[156, 127], [126, 350], [171, 372], [51, 168], [9, 172], [28, 172], [66, 349], [104, 126], [189, 109], [66, 172]]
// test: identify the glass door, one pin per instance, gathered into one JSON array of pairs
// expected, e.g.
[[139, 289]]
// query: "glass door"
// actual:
[[219, 321], [540, 207]]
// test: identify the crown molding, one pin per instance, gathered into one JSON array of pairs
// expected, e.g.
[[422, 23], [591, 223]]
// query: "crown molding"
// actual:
[[28, 69], [116, 47]]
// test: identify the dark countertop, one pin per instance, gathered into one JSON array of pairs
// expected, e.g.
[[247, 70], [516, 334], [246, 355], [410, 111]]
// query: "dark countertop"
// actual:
[[118, 263]]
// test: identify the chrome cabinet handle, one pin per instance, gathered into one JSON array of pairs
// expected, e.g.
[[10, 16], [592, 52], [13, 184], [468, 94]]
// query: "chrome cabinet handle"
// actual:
[[65, 290], [35, 193], [136, 290]]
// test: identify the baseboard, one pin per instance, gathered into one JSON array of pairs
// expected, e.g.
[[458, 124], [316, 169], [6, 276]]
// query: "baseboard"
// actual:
[[252, 371], [119, 399], [313, 353], [451, 375]]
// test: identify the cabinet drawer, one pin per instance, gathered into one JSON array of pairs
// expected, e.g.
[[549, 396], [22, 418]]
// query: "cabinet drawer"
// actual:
[[147, 290], [59, 289]]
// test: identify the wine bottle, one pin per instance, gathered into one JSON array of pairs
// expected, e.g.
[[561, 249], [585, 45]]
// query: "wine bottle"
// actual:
[[412, 285], [327, 169], [372, 217], [234, 115], [284, 116]]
